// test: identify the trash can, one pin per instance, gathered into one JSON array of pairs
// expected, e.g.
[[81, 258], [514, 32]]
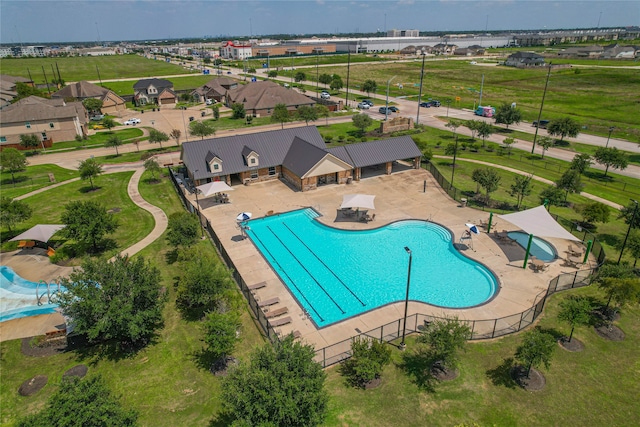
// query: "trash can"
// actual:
[[463, 203], [191, 118], [349, 180], [202, 113]]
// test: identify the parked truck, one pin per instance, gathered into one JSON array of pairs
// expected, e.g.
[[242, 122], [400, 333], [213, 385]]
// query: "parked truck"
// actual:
[[487, 111]]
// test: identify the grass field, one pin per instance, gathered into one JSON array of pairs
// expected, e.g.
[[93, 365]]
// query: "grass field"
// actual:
[[179, 83], [33, 178], [74, 69]]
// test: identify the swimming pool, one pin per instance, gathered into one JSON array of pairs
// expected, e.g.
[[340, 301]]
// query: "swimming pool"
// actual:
[[18, 296], [540, 248], [336, 274]]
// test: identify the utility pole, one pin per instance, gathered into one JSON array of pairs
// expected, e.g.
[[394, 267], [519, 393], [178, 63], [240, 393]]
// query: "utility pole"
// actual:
[[420, 94], [535, 135]]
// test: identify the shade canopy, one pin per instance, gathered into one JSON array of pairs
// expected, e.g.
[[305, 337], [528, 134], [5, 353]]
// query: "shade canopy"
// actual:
[[40, 232], [539, 222], [211, 188], [363, 201]]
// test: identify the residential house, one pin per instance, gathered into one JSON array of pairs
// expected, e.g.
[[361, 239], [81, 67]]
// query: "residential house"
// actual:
[[111, 102], [616, 51], [8, 88], [593, 51], [260, 98], [444, 49], [53, 120], [214, 89], [299, 156], [154, 91], [525, 60]]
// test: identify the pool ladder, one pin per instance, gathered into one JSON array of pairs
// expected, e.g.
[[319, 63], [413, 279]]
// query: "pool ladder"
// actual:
[[49, 293]]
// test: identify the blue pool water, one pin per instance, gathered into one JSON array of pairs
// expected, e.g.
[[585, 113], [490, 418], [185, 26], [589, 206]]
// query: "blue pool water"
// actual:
[[18, 296], [540, 248], [336, 274]]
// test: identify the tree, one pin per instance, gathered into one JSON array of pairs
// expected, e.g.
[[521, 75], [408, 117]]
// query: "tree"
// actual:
[[13, 211], [216, 112], [445, 338], [12, 161], [487, 179], [507, 114], [369, 86], [485, 130], [575, 310], [611, 157], [176, 134], [536, 349], [336, 82], [545, 142], [203, 281], [627, 212], [87, 222], [477, 176], [117, 300], [114, 141], [29, 141], [300, 76], [89, 169], [272, 73], [108, 123], [280, 386], [570, 182], [581, 162], [221, 332], [595, 212], [238, 111], [521, 188], [621, 290], [453, 124], [553, 195], [84, 402], [368, 359], [325, 79], [563, 127], [474, 126], [24, 90], [307, 113], [362, 122], [151, 165], [156, 136], [183, 229], [633, 245], [322, 111], [92, 104], [201, 129], [280, 114], [508, 142]]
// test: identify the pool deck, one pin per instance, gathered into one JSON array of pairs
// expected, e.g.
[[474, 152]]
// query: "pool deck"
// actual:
[[398, 196]]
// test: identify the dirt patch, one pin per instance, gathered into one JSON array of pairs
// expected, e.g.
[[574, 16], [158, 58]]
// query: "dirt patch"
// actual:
[[535, 382], [32, 386], [41, 347], [114, 210], [77, 371], [610, 332], [441, 373], [221, 366], [573, 345], [374, 383]]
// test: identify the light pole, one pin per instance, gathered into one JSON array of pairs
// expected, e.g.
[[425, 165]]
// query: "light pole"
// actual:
[[448, 103], [609, 137], [535, 136], [406, 300], [386, 108], [633, 219], [420, 93], [453, 167], [317, 72]]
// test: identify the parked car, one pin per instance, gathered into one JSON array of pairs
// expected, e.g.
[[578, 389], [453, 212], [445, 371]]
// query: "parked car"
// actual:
[[368, 102], [209, 102], [394, 109], [383, 110], [363, 106], [543, 124], [96, 117], [132, 121], [325, 95], [425, 104], [435, 103]]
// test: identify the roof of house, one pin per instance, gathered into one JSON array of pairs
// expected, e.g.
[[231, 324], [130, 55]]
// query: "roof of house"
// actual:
[[377, 152], [81, 90], [218, 86], [266, 94], [157, 83], [13, 79], [526, 55], [35, 108]]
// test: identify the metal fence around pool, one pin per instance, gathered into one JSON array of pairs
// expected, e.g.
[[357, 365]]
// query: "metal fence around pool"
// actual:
[[480, 329]]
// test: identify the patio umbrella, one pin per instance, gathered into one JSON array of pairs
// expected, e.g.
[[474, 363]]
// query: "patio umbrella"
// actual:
[[473, 228], [363, 201], [244, 216], [211, 188], [40, 232]]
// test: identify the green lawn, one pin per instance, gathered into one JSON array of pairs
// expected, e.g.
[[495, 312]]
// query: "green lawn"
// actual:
[[179, 83], [33, 178], [99, 138]]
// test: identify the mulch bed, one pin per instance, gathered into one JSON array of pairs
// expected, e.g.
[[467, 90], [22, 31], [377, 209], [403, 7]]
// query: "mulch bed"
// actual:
[[373, 384], [32, 386], [535, 382], [611, 332], [28, 347], [573, 345], [77, 371], [221, 366]]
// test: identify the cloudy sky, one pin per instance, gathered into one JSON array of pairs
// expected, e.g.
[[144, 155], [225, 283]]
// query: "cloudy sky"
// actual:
[[29, 21]]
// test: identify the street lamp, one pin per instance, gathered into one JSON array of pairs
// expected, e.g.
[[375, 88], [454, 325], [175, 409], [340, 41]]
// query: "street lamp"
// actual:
[[386, 109], [609, 137], [544, 94], [453, 167], [406, 300], [633, 219], [448, 101], [420, 93]]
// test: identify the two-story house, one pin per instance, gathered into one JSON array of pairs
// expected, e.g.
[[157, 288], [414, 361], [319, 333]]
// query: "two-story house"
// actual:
[[154, 91]]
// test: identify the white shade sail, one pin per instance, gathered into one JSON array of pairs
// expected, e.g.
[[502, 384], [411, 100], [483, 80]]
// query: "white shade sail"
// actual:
[[211, 188], [539, 222], [40, 232], [362, 201]]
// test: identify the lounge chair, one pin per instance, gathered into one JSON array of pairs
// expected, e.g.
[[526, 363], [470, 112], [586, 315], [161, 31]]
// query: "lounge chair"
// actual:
[[26, 244], [268, 302], [51, 252], [576, 251], [277, 312], [280, 322], [257, 286]]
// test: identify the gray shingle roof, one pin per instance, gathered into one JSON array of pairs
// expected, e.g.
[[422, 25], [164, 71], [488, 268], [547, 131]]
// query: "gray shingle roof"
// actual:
[[36, 108], [302, 156], [82, 89], [157, 83], [377, 152], [266, 94]]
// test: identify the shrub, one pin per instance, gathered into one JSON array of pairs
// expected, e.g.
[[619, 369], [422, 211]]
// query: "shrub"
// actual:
[[369, 357]]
